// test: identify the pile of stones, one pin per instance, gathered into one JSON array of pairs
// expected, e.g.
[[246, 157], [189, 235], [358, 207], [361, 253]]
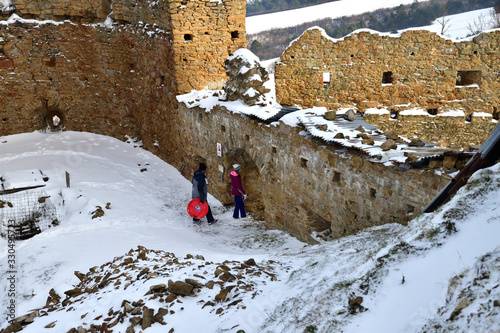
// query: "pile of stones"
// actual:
[[218, 288]]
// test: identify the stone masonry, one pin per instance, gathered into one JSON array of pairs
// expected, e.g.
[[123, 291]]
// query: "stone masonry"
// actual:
[[417, 70], [114, 67], [297, 184]]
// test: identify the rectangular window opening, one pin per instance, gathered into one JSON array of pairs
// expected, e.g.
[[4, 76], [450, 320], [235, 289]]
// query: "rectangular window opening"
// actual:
[[274, 150], [188, 37], [336, 177], [235, 34], [387, 78], [222, 128], [303, 162], [373, 193], [468, 77], [247, 137], [432, 112]]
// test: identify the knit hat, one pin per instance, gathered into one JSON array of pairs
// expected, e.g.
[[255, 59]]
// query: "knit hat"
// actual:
[[236, 167], [203, 167]]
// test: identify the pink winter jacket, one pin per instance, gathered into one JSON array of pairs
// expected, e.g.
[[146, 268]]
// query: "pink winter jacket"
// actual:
[[236, 186]]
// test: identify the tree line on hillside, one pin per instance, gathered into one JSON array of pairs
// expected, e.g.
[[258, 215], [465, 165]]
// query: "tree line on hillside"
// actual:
[[270, 44], [258, 7]]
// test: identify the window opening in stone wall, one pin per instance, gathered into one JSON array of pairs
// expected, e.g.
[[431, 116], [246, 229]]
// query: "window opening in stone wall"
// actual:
[[352, 55], [394, 114], [188, 37], [247, 137], [412, 53], [326, 78], [387, 78], [4, 120], [373, 193], [222, 128], [303, 162], [468, 118], [274, 150], [235, 34], [432, 112], [468, 77], [496, 113], [336, 177]]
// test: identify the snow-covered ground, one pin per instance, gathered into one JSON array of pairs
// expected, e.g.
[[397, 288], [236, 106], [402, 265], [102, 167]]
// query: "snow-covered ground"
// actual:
[[354, 284]]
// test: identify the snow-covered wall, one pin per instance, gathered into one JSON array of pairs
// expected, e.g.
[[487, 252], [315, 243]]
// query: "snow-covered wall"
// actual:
[[295, 183], [418, 68]]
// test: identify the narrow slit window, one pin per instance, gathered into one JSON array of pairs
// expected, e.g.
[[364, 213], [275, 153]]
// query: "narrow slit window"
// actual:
[[222, 128], [274, 150], [336, 177], [373, 193], [468, 77]]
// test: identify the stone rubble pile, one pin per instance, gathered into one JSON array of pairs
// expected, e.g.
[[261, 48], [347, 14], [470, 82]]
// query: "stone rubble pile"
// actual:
[[151, 274], [247, 79]]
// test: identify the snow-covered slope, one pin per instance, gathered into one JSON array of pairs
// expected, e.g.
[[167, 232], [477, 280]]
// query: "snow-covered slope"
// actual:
[[386, 279]]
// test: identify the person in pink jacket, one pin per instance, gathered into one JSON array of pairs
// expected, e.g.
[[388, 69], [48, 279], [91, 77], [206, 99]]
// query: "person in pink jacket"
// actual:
[[238, 192]]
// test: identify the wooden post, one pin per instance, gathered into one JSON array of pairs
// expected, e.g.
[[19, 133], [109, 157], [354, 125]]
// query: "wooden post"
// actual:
[[67, 180]]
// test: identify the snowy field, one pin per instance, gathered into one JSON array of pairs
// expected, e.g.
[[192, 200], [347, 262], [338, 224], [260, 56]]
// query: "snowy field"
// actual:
[[457, 24], [314, 286]]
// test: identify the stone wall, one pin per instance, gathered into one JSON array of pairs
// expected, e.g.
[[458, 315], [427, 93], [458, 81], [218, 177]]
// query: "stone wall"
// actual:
[[97, 80], [297, 184], [420, 69], [118, 78], [446, 131]]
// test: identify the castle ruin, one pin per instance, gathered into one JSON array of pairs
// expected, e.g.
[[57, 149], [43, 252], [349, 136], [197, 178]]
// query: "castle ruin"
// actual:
[[115, 68]]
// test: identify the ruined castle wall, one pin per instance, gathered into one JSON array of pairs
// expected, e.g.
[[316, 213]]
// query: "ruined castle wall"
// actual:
[[205, 33], [118, 78], [297, 184], [96, 79], [421, 71], [417, 70]]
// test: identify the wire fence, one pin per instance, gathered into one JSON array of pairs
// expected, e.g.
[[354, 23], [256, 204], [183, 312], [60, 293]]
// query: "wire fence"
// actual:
[[25, 214]]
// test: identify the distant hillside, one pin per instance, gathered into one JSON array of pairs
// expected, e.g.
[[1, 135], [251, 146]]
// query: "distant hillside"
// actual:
[[259, 7], [270, 44]]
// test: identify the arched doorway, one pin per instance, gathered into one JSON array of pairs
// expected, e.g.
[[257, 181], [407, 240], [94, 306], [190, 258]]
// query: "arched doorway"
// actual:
[[250, 177]]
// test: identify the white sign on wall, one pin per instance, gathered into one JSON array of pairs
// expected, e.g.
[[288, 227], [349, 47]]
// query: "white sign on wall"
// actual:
[[326, 77], [219, 149]]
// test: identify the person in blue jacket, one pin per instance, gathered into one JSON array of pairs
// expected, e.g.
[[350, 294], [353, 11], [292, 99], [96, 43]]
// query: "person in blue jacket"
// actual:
[[200, 190]]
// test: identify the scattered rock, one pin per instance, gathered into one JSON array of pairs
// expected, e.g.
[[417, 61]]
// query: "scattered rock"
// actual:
[[391, 135], [461, 305], [360, 129], [322, 127], [14, 327], [147, 317], [389, 144], [368, 141], [180, 288], [416, 143], [362, 135], [350, 115], [250, 262], [339, 136], [330, 115]]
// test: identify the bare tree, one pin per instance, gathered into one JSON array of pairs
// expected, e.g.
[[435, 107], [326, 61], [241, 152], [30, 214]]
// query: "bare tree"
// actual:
[[443, 21], [483, 23]]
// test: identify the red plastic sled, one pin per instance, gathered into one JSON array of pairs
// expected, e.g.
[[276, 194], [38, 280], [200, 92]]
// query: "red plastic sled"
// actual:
[[197, 209]]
